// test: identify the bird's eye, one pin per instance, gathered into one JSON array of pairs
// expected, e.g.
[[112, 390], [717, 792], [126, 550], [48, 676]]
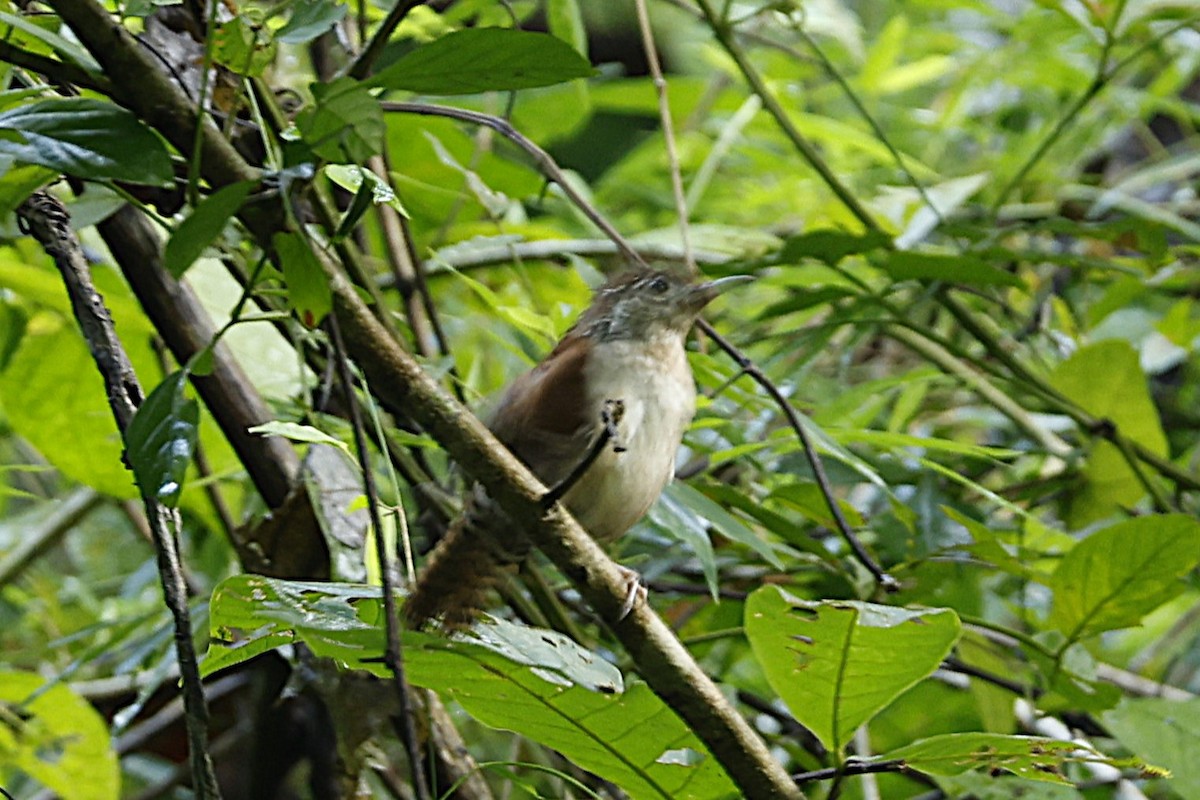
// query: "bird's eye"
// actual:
[[659, 284]]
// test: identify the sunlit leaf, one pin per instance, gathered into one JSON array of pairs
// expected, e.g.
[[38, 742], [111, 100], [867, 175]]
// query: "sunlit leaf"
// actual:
[[838, 663]]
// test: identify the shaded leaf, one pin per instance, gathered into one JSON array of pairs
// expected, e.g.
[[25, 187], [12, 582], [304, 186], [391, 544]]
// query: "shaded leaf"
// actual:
[[161, 439], [831, 246], [485, 60], [243, 47], [346, 124], [202, 226], [309, 19], [837, 664], [904, 266], [86, 138], [308, 286], [1167, 731]]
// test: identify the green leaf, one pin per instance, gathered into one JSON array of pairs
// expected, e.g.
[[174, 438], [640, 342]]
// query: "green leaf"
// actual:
[[725, 523], [681, 523], [346, 124], [68, 50], [76, 432], [535, 682], [56, 738], [352, 177], [1167, 731], [565, 21], [905, 265], [310, 19], [308, 286], [485, 60], [1032, 757], [202, 226], [161, 439], [86, 138], [838, 663], [299, 433], [831, 246], [1119, 574], [1107, 381], [243, 47]]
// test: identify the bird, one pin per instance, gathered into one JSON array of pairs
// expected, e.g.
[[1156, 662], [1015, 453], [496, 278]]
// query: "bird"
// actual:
[[620, 373]]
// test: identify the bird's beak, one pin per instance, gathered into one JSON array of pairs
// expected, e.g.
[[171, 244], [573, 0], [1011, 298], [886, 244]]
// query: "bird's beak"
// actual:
[[705, 293]]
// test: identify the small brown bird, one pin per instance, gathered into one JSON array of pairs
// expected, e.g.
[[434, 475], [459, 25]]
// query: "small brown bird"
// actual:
[[624, 358]]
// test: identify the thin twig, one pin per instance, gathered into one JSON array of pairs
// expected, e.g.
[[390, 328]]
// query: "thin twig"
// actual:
[[49, 223], [668, 129], [610, 418], [883, 579], [1100, 81], [850, 768], [394, 655], [543, 160]]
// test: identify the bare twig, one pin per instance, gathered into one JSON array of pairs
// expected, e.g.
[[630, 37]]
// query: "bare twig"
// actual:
[[394, 655], [664, 115], [49, 223]]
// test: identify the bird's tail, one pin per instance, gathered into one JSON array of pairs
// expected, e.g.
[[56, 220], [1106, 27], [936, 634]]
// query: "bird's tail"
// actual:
[[461, 571]]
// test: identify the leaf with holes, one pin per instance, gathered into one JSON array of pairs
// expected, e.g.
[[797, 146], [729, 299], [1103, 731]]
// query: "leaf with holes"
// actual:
[[535, 682], [838, 663], [1032, 757]]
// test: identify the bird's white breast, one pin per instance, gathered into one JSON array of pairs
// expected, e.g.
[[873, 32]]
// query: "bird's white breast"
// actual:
[[655, 384]]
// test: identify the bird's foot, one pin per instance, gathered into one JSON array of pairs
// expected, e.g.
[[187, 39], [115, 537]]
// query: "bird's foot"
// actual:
[[634, 590]]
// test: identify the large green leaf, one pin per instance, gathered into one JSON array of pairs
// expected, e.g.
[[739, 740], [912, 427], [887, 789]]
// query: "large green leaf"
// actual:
[[1119, 574], [1107, 381], [161, 438], [535, 682], [1166, 731], [836, 664], [55, 399], [56, 738], [86, 138], [1032, 757], [485, 60]]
